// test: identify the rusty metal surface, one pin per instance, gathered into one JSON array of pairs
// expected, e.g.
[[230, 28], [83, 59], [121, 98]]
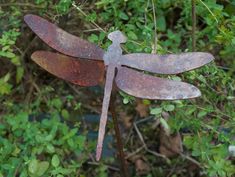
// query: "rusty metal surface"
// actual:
[[105, 106], [87, 73], [62, 41], [149, 87], [77, 71], [166, 64], [111, 59]]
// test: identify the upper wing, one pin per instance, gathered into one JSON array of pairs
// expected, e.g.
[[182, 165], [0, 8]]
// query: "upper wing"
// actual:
[[145, 86], [166, 64], [63, 41], [77, 71]]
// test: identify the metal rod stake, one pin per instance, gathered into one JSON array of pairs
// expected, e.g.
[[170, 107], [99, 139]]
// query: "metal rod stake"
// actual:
[[118, 137]]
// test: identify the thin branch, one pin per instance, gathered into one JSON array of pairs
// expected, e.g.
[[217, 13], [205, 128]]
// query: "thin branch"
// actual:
[[108, 166], [194, 23], [83, 13], [118, 136], [21, 4], [135, 152], [155, 29], [145, 146], [210, 11], [190, 159]]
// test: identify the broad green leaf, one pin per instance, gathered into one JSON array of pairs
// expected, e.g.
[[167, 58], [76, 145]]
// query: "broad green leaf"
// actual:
[[65, 114], [55, 161], [93, 38], [9, 55], [16, 60], [132, 35], [201, 114], [125, 101], [123, 15], [169, 107], [6, 77], [5, 48], [42, 168], [33, 166], [5, 88], [81, 141], [50, 148], [63, 6], [156, 111], [165, 125], [161, 23]]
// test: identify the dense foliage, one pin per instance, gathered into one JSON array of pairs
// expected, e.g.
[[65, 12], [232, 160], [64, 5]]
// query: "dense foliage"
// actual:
[[51, 146]]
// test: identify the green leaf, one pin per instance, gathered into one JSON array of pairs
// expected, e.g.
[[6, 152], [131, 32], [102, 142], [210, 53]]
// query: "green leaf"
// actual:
[[9, 55], [156, 111], [63, 6], [50, 148], [201, 114], [93, 38], [56, 102], [16, 60], [169, 107], [55, 161], [6, 77], [164, 124], [233, 41], [161, 23], [5, 48], [123, 15], [33, 166], [19, 74], [62, 175], [81, 141], [132, 35], [125, 100], [65, 114], [5, 88], [42, 168]]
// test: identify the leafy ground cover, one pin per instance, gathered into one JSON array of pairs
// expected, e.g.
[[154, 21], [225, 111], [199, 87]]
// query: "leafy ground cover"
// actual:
[[178, 138]]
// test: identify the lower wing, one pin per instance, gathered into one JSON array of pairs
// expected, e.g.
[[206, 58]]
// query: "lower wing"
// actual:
[[149, 87], [77, 71]]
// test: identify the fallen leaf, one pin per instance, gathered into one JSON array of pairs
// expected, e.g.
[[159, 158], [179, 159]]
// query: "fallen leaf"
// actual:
[[126, 119], [142, 168], [170, 145], [142, 109]]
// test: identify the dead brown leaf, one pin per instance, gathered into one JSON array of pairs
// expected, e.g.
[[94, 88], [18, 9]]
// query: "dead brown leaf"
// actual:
[[126, 119], [142, 167], [142, 109], [170, 145]]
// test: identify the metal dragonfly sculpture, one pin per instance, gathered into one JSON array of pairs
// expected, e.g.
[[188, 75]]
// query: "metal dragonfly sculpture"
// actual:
[[84, 64]]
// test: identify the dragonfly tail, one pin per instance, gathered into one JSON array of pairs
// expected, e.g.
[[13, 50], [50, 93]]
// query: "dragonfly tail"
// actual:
[[104, 115]]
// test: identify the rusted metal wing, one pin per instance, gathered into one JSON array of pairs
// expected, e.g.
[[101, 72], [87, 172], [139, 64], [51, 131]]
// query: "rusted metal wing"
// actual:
[[149, 87], [62, 41], [77, 71], [166, 64]]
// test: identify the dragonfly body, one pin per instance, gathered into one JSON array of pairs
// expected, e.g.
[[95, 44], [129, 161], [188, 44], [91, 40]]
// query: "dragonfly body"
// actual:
[[114, 52], [112, 61], [84, 64]]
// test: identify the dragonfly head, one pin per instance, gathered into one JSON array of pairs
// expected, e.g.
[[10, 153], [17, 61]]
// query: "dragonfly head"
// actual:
[[117, 37]]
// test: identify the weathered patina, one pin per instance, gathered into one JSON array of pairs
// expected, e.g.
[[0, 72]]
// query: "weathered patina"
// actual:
[[86, 63]]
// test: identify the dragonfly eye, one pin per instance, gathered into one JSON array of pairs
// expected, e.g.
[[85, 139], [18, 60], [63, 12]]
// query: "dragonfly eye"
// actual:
[[117, 36]]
